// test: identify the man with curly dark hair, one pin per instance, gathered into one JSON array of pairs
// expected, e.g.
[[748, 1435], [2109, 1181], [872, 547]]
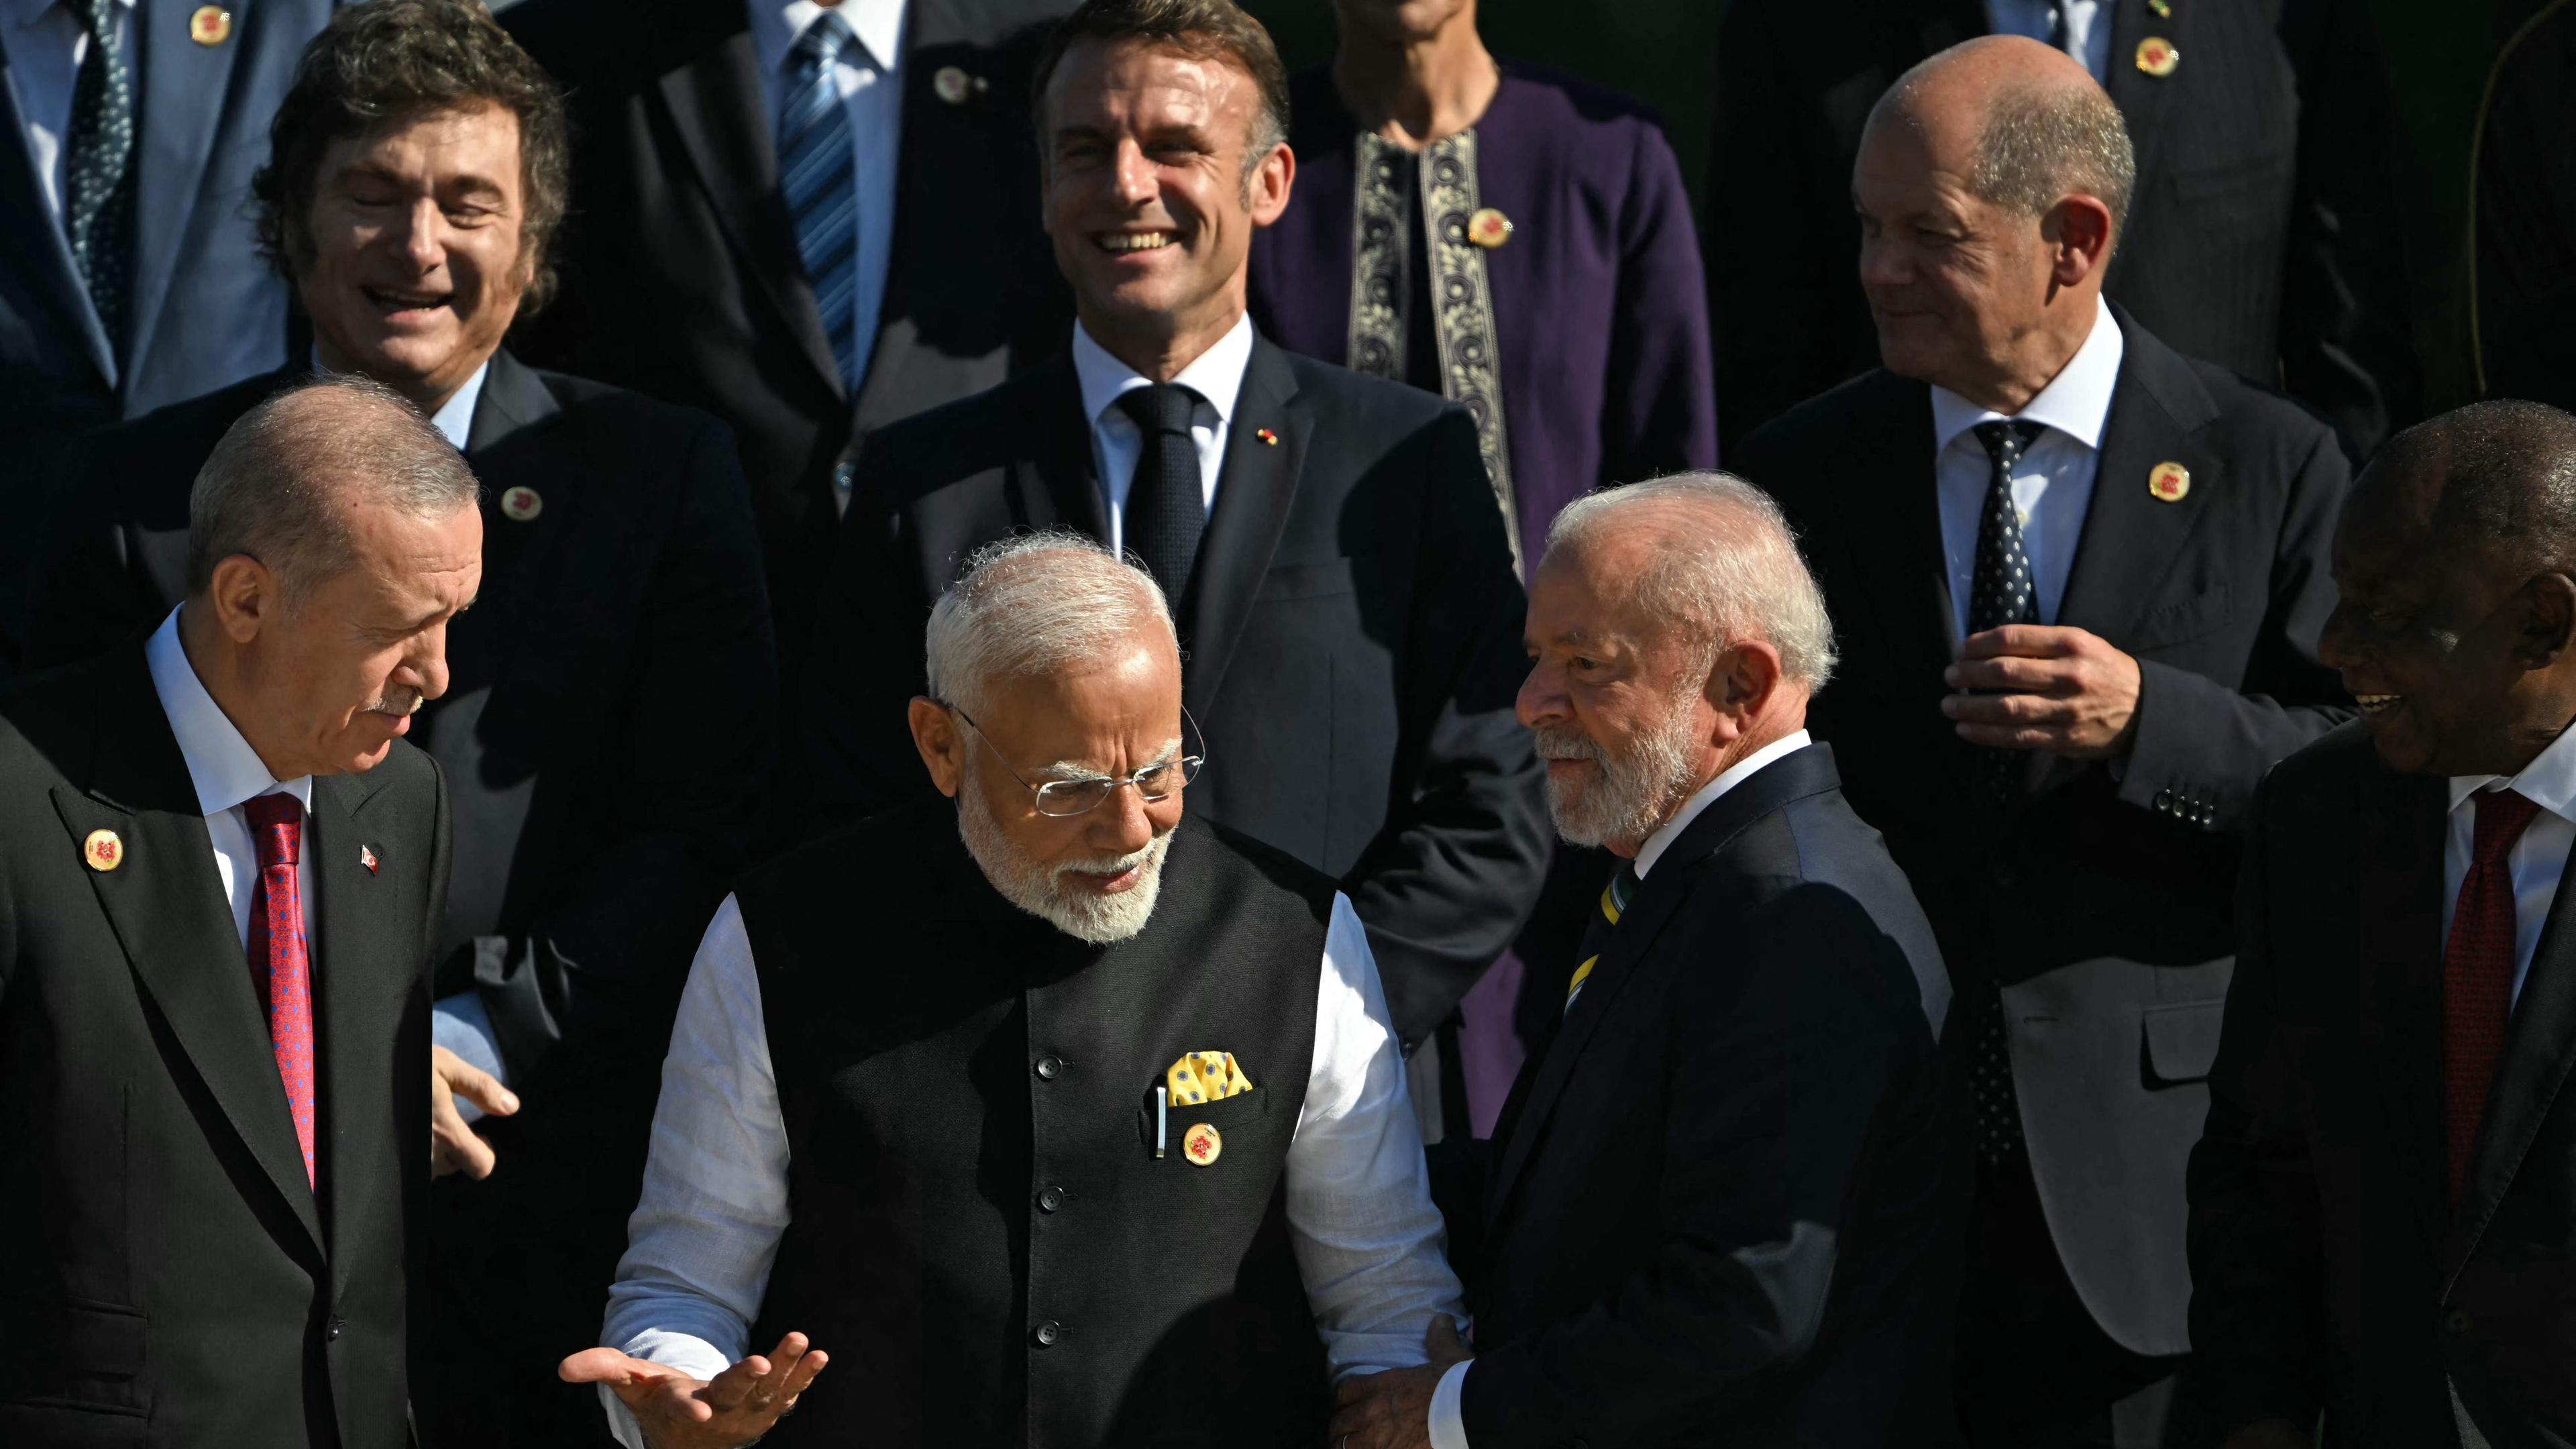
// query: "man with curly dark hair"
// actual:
[[416, 177]]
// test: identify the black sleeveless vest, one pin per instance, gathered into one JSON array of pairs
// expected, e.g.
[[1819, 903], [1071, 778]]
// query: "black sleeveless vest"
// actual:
[[982, 1237]]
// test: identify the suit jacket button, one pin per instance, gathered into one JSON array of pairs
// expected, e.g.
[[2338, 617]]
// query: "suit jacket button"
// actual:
[[1050, 1067], [1048, 1332], [332, 1333], [2455, 1322], [1050, 1200]]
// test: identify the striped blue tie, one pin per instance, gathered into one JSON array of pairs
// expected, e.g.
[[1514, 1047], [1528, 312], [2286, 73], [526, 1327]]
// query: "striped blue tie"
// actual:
[[816, 174]]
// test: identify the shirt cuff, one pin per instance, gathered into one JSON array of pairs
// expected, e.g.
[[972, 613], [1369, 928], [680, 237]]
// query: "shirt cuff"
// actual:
[[686, 1352], [460, 1024], [1448, 1421]]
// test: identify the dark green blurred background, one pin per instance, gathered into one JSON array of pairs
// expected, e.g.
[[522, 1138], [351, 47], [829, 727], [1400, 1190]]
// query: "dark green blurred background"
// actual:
[[2438, 53]]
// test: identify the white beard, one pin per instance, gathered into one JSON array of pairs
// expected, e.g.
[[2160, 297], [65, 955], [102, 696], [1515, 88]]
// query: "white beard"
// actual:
[[1630, 795], [1039, 889]]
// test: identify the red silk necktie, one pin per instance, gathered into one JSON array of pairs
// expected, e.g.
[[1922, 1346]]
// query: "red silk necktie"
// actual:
[[279, 959], [2477, 974]]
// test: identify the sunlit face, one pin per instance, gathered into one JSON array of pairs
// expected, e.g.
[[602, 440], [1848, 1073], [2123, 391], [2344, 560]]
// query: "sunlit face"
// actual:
[[1402, 21], [1617, 700], [1147, 199], [342, 663], [2426, 637], [418, 262], [1954, 282], [1096, 875]]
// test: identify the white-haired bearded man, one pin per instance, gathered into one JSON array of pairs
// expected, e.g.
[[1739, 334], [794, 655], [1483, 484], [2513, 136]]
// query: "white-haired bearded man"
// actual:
[[1727, 1197], [1055, 1115]]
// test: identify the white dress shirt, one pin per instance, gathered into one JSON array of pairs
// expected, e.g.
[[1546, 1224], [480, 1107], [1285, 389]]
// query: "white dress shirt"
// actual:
[[2088, 27], [227, 775], [2536, 860], [1216, 375], [869, 77], [714, 1203], [46, 44], [2053, 483], [1448, 1419]]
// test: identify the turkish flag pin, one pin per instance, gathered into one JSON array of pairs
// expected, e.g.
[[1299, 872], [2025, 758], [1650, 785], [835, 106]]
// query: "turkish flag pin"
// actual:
[[367, 858]]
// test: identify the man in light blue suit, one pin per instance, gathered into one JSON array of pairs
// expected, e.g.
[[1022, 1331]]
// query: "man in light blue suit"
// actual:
[[128, 274]]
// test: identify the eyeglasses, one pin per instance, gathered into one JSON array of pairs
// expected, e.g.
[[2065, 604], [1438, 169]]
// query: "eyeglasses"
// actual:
[[1065, 798]]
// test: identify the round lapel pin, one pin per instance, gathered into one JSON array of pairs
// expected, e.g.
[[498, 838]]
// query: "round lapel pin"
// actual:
[[2169, 482], [1489, 228], [103, 850], [210, 25], [953, 85], [521, 505], [2157, 56], [1201, 1145]]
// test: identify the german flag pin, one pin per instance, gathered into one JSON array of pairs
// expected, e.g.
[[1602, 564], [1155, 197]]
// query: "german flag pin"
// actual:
[[1268, 438]]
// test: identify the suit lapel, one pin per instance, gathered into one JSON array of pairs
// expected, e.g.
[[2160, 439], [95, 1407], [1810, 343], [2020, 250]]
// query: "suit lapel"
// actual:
[[2539, 1050], [2398, 950], [185, 88], [2131, 538], [167, 907], [1805, 772], [1899, 561], [717, 106], [2142, 98], [1056, 481], [1256, 486], [33, 243], [363, 963]]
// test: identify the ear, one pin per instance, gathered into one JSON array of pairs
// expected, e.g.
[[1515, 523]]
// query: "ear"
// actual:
[[2078, 230], [243, 597], [1270, 184], [1740, 687], [2548, 625], [941, 743]]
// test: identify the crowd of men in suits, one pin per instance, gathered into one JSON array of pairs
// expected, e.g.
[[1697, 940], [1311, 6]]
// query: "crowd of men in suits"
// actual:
[[994, 696]]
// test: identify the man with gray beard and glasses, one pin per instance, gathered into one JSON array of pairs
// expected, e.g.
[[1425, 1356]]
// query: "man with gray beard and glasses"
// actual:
[[1053, 1115], [1727, 1199]]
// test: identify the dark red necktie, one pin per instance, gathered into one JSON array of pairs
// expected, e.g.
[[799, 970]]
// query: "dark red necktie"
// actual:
[[279, 959], [2477, 974]]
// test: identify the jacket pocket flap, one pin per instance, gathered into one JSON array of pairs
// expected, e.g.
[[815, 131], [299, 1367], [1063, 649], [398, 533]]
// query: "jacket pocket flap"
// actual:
[[98, 1340], [2182, 1041]]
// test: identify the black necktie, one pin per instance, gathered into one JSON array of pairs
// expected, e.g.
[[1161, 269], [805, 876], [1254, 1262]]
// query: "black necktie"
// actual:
[[1166, 502], [2000, 592], [98, 167]]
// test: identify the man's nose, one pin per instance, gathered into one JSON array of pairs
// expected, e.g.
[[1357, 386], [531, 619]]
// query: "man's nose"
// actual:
[[1119, 823], [424, 235], [2335, 642], [1883, 263], [1541, 700], [427, 667], [1137, 184]]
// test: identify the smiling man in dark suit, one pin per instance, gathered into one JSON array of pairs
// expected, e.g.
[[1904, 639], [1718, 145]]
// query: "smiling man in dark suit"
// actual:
[[1727, 1195], [216, 1174], [1329, 541], [2382, 1200], [624, 585], [2080, 579]]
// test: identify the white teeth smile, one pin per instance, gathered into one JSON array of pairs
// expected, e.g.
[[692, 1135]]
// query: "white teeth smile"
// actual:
[[404, 301], [2374, 703], [1139, 241]]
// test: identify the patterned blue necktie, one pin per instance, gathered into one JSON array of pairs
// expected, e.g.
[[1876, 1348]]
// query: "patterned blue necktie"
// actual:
[[817, 175], [98, 167]]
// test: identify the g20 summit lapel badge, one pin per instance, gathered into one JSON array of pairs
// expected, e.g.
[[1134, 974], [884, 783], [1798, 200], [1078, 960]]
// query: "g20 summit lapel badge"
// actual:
[[1201, 1145], [103, 851], [210, 25], [522, 505], [2158, 56], [1489, 228], [2169, 482]]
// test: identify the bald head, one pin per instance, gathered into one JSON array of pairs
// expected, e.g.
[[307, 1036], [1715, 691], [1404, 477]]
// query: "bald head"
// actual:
[[2498, 477], [2021, 122], [287, 478]]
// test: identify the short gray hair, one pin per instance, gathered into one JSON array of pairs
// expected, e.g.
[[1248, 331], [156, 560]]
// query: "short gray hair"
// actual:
[[1733, 573], [2042, 144], [270, 488], [1032, 605]]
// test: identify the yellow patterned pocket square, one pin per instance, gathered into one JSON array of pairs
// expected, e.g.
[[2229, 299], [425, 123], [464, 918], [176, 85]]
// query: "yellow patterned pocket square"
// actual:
[[1205, 1077]]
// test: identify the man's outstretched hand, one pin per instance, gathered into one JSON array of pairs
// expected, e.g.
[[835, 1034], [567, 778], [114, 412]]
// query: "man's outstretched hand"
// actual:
[[454, 1146], [679, 1412]]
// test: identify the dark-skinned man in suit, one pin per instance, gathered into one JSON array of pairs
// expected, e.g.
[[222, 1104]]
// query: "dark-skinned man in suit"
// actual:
[[2381, 1200], [1330, 542], [220, 877], [1726, 1197], [2080, 579], [624, 581]]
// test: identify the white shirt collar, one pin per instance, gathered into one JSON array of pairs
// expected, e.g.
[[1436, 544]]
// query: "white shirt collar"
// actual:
[[2549, 781], [1216, 375], [877, 23], [2075, 402], [1734, 775], [222, 766], [455, 420], [25, 14]]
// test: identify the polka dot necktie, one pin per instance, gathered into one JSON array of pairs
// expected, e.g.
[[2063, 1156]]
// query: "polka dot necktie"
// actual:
[[279, 960], [2001, 592], [2477, 974], [818, 176], [98, 167], [1615, 900], [1167, 499]]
